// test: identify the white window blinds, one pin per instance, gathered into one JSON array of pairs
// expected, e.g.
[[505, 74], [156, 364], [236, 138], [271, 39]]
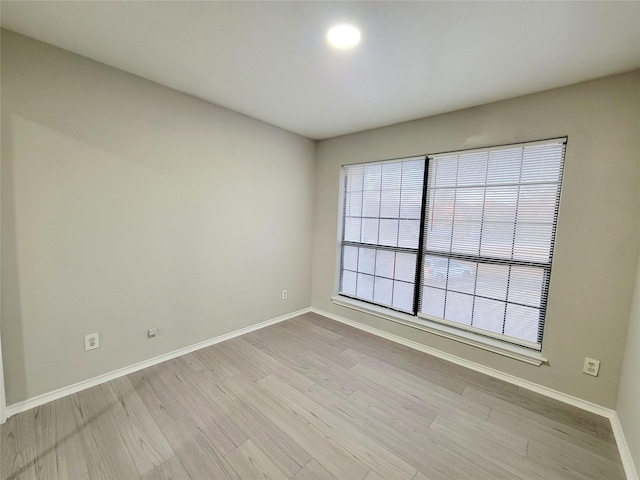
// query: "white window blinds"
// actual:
[[381, 230], [488, 239], [469, 244]]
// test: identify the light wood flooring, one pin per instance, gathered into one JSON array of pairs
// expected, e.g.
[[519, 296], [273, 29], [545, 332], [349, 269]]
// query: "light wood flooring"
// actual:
[[307, 399]]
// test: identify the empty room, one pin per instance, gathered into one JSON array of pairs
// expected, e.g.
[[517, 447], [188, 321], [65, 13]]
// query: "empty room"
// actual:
[[320, 240]]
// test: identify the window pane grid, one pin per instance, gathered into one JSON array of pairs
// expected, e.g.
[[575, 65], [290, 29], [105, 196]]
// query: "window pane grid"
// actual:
[[381, 276], [456, 296], [447, 288]]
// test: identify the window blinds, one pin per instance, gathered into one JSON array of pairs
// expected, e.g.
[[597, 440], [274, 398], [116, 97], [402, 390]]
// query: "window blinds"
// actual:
[[488, 239], [381, 229], [469, 244]]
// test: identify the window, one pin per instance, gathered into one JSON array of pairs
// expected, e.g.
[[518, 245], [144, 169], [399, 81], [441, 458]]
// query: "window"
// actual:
[[381, 231], [464, 239]]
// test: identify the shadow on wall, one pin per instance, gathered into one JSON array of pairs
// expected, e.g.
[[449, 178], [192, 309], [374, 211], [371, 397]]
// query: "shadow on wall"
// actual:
[[12, 352]]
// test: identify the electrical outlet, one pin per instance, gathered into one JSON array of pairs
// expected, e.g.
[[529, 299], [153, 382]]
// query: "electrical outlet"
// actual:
[[285, 294], [152, 332], [91, 341], [591, 366]]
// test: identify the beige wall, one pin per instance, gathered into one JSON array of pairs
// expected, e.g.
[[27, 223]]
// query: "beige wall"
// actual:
[[598, 233], [628, 406], [127, 205]]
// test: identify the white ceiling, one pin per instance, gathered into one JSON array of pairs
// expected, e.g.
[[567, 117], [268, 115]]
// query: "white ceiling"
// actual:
[[270, 60]]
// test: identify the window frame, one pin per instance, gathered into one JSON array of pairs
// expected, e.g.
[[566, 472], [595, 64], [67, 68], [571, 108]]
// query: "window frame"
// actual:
[[500, 343]]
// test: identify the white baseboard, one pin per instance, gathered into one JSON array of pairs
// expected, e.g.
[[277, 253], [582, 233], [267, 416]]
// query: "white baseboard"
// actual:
[[92, 382], [623, 447]]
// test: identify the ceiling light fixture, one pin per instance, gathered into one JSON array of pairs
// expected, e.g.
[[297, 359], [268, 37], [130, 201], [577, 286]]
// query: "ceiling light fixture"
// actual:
[[343, 36]]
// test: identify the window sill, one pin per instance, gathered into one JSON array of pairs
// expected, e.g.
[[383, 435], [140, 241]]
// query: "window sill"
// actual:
[[452, 333]]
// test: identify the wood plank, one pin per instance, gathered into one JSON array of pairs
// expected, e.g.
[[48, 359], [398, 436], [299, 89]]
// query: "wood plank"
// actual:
[[305, 363], [339, 432], [530, 408], [396, 413], [22, 465], [334, 458], [606, 435], [279, 345], [142, 436], [532, 425], [430, 452], [384, 426], [217, 368], [372, 475], [250, 463], [431, 375], [232, 353], [463, 374], [12, 455], [329, 374], [302, 331], [269, 364], [507, 459], [163, 408], [283, 451], [295, 336], [302, 324], [179, 382], [332, 325], [577, 464], [386, 350], [199, 456], [59, 447], [487, 432], [563, 439], [420, 476], [409, 445], [172, 469], [182, 385], [16, 436], [314, 471], [203, 411], [193, 361], [560, 410], [105, 452], [437, 399]]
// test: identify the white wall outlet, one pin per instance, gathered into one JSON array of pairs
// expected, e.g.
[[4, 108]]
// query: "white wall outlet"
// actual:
[[91, 341], [591, 366], [285, 294], [152, 332]]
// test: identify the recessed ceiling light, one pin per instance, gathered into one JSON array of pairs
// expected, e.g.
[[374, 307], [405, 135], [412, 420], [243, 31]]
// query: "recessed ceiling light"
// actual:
[[343, 36]]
